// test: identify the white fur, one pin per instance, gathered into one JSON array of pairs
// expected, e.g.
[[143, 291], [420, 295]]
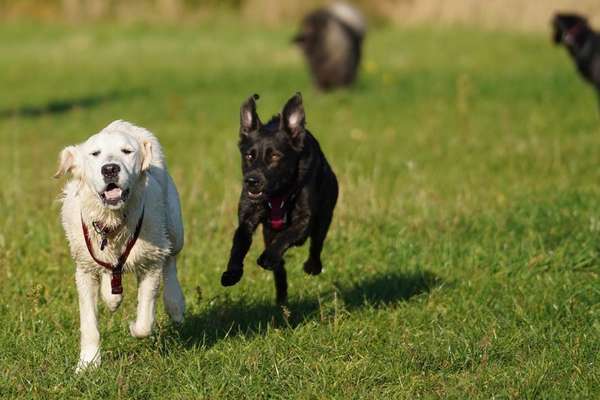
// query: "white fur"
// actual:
[[350, 15], [151, 188]]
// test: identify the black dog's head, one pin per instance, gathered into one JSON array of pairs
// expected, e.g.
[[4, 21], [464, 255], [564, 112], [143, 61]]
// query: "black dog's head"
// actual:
[[570, 29], [270, 152]]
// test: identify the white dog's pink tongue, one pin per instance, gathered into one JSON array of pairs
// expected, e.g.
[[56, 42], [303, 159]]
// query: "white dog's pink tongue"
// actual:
[[113, 194]]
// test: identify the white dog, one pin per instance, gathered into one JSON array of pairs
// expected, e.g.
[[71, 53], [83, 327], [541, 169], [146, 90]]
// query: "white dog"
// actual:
[[121, 213]]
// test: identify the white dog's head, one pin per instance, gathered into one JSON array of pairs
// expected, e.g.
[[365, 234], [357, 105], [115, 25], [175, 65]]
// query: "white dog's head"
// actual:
[[110, 163]]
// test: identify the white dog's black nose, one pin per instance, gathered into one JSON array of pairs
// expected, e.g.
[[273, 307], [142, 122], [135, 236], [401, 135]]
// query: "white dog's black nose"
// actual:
[[110, 170]]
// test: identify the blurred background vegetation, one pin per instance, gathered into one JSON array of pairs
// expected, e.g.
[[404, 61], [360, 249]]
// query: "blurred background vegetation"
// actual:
[[495, 14], [463, 260]]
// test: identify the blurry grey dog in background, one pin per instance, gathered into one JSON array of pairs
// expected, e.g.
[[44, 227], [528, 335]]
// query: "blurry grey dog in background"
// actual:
[[583, 43], [331, 39]]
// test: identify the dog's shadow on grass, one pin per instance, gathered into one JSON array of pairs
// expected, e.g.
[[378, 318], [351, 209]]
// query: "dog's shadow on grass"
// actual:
[[61, 106], [228, 318]]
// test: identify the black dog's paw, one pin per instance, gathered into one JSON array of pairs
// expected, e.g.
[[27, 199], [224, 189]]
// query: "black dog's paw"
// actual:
[[231, 277], [269, 260], [313, 267]]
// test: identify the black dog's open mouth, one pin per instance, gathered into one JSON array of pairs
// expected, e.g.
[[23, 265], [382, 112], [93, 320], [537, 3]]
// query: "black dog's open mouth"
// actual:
[[255, 195], [113, 194]]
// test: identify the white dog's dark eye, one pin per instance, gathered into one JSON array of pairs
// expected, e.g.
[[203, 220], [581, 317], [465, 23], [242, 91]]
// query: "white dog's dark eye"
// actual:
[[126, 151], [96, 153]]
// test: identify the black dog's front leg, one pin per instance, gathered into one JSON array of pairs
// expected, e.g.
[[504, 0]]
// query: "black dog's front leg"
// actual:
[[242, 240], [271, 258]]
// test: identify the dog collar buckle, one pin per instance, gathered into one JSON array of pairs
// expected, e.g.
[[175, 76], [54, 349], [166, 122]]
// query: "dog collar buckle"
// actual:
[[103, 232], [116, 270]]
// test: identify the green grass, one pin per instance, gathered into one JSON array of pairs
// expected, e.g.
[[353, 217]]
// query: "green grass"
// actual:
[[463, 259]]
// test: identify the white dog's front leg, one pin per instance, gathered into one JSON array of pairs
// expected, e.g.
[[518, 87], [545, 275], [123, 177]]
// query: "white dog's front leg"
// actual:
[[148, 286], [172, 294], [112, 301], [87, 288]]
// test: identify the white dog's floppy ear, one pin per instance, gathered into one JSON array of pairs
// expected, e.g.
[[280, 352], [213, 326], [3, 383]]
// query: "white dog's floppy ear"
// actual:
[[66, 162], [146, 154]]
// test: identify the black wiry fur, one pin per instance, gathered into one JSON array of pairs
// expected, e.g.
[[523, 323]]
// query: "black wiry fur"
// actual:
[[299, 168], [583, 44]]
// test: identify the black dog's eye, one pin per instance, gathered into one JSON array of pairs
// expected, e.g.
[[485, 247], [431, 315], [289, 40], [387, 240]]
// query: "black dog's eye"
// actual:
[[126, 151], [96, 153], [249, 156], [275, 157]]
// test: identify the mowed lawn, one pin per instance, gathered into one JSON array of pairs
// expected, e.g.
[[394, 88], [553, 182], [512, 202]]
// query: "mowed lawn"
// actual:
[[463, 260]]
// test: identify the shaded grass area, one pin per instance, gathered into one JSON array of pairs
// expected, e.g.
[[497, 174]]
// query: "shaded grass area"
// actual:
[[463, 257]]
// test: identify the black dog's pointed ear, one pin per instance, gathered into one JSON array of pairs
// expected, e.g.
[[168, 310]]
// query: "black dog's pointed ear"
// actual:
[[249, 120], [293, 118]]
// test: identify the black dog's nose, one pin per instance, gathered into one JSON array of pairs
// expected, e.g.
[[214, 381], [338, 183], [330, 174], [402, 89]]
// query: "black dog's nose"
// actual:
[[251, 181], [110, 170]]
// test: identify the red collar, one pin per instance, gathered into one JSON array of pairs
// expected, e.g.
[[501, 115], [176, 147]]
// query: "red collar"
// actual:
[[279, 206], [117, 269], [277, 212]]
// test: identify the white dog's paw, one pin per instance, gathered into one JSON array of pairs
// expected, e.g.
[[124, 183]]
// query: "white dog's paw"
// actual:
[[113, 302], [139, 332], [89, 360], [175, 309]]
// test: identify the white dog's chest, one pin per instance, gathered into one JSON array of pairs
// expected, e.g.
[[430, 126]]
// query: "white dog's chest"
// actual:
[[144, 254], [149, 251]]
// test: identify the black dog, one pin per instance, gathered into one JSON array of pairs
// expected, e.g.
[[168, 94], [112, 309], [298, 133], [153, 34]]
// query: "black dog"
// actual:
[[583, 44], [331, 39], [289, 187]]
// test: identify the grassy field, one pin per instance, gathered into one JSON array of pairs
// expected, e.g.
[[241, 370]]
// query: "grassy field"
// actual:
[[463, 259]]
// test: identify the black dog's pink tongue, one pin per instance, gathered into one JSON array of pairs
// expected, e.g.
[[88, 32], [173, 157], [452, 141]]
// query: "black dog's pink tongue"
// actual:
[[277, 217]]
